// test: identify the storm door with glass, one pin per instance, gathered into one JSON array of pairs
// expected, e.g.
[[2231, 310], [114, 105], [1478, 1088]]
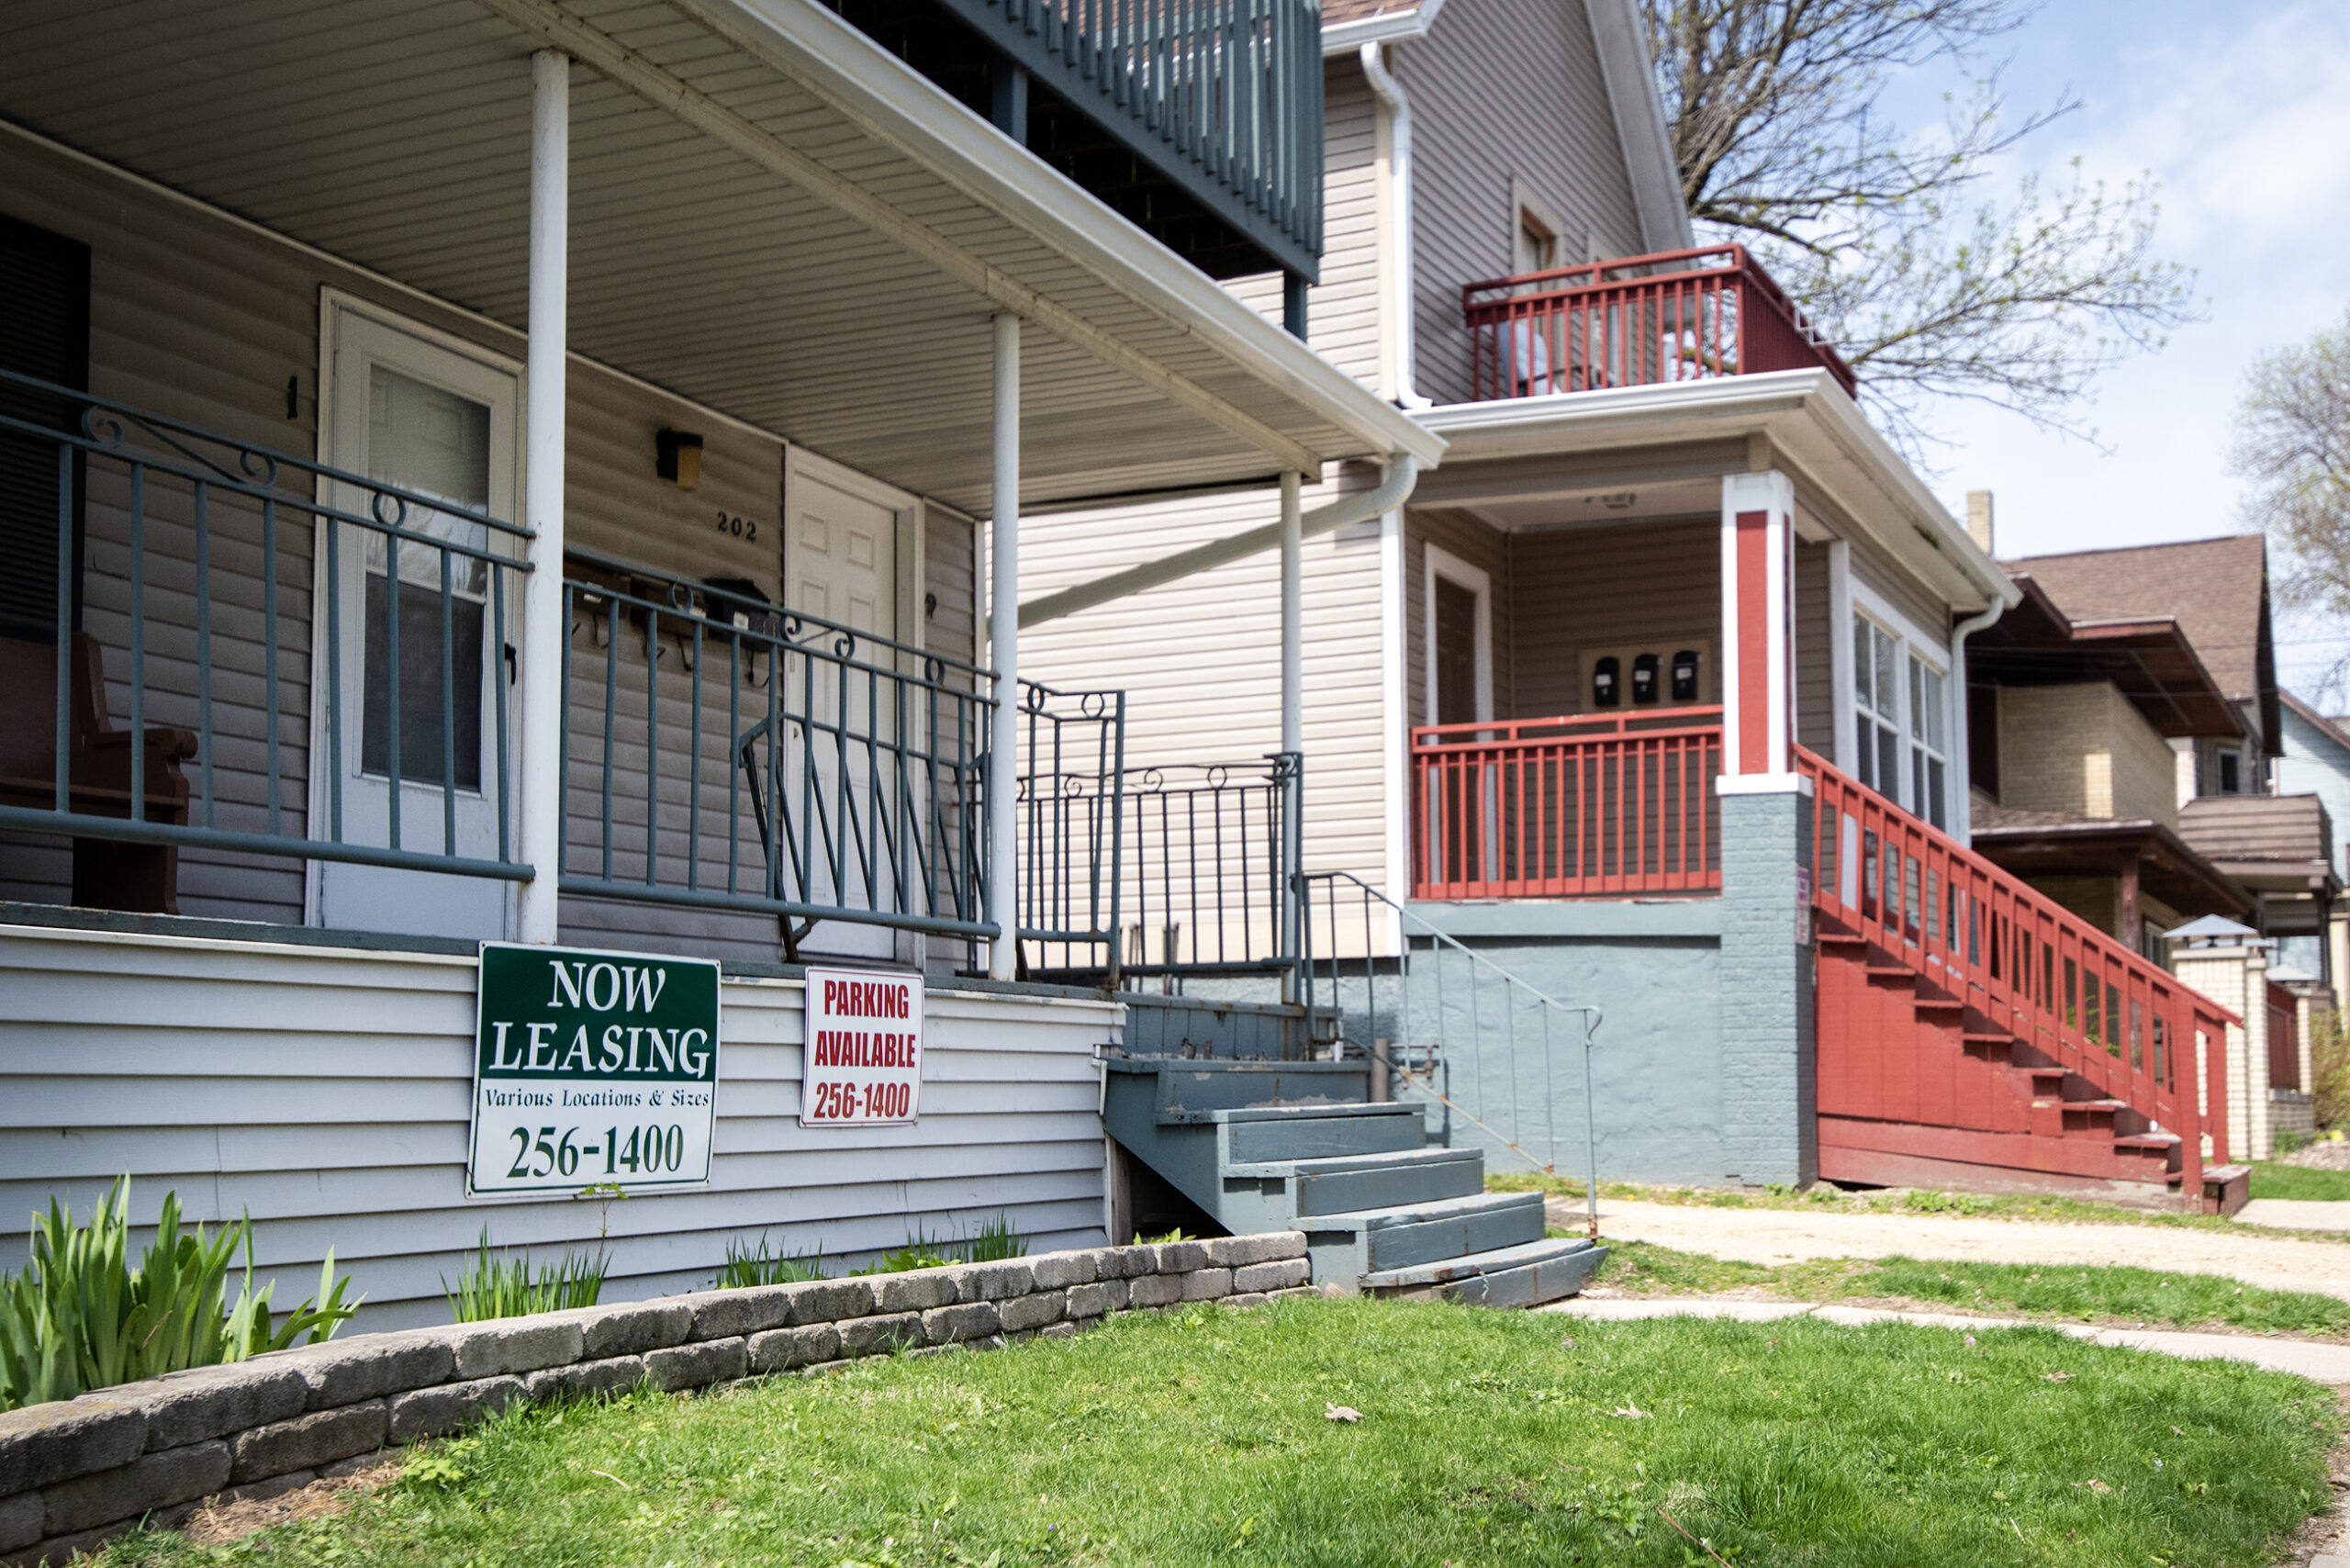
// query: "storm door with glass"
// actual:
[[412, 745]]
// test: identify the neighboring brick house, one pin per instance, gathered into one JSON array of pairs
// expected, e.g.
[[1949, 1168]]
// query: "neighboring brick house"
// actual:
[[2278, 847], [2070, 725]]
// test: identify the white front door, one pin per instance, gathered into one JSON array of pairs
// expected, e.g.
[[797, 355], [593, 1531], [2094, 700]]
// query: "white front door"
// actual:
[[841, 565], [437, 420]]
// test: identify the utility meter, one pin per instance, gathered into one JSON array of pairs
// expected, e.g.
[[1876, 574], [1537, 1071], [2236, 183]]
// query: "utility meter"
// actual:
[[1605, 692], [1684, 675], [1644, 674]]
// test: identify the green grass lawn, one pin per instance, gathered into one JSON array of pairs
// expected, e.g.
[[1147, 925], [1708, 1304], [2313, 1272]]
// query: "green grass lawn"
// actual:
[[2270, 1180], [2087, 1294], [1485, 1438]]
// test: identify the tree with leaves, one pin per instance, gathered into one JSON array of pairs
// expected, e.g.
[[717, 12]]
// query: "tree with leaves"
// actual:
[[2292, 441], [1888, 238]]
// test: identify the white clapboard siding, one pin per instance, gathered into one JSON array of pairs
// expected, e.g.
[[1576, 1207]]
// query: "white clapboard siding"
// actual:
[[1342, 308], [325, 1091], [207, 321], [1503, 89]]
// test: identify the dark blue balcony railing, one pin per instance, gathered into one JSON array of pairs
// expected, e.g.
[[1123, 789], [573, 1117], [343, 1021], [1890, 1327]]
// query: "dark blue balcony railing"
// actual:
[[1223, 97]]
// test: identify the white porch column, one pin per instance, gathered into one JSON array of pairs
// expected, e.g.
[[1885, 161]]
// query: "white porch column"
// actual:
[[542, 617], [1758, 642], [1293, 616], [1003, 653]]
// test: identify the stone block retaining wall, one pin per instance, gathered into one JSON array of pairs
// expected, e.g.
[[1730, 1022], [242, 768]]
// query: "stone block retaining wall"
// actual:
[[76, 1472]]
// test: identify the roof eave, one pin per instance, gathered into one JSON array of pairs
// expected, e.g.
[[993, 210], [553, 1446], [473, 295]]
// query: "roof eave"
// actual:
[[1805, 411], [896, 104]]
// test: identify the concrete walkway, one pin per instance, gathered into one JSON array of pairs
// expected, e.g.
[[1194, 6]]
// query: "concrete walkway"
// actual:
[[2297, 1213], [2321, 1363], [1788, 1236]]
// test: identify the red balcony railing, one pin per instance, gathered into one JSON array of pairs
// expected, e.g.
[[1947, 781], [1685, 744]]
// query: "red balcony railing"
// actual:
[[1567, 807], [2026, 965], [1636, 322]]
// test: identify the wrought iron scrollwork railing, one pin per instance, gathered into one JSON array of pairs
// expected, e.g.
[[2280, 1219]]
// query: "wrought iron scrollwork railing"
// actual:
[[1071, 829], [725, 754], [164, 694], [1200, 866]]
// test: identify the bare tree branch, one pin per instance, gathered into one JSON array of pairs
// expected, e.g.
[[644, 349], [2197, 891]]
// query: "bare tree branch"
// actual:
[[1931, 291], [2292, 441]]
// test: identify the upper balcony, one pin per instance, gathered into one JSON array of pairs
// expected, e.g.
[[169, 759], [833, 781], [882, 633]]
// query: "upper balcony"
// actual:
[[1637, 321], [1200, 123]]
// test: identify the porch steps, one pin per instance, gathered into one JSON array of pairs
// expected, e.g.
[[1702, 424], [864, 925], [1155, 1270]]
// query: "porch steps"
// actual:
[[1263, 1146], [1915, 1089]]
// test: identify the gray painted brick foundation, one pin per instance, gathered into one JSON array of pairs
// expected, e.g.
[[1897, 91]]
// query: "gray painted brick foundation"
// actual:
[[1769, 1084]]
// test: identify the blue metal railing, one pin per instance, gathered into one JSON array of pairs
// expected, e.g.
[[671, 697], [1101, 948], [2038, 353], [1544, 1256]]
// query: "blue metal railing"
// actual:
[[1201, 858], [219, 522], [1225, 97], [724, 754]]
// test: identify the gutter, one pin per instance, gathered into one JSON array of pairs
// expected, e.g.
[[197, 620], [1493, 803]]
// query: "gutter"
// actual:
[[1962, 752], [1402, 473], [1390, 93]]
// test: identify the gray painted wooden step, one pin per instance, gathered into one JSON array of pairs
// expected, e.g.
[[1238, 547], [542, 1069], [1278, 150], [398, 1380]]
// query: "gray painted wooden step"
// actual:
[[1307, 1135], [1512, 1276], [1347, 1247], [1409, 1176]]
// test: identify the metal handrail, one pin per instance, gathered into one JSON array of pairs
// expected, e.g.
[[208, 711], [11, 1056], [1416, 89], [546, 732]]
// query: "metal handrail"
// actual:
[[1592, 1016]]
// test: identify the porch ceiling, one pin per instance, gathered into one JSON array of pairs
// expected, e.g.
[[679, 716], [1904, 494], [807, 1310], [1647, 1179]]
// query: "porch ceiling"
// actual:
[[395, 134], [1512, 457]]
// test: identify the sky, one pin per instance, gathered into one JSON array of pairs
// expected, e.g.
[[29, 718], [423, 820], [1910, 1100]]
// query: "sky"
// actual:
[[2240, 111]]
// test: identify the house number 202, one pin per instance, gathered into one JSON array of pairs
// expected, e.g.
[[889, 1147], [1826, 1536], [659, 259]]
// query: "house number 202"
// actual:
[[738, 527]]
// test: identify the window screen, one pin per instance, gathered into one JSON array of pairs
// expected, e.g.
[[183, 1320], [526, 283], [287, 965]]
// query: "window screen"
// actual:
[[45, 334]]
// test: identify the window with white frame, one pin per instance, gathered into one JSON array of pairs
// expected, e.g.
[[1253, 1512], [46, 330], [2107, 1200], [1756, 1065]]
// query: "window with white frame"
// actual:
[[1876, 707], [1929, 747]]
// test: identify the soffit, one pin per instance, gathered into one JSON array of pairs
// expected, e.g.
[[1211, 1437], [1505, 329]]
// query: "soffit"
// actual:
[[395, 134]]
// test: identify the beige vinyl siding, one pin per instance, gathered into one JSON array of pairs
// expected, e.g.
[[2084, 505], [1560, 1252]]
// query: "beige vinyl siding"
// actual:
[[1482, 546], [1815, 651], [1652, 585], [325, 1091], [1200, 659], [1342, 310], [1503, 90], [1876, 572], [205, 322]]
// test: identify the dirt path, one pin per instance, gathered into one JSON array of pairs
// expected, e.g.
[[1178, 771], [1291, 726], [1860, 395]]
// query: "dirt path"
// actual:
[[1788, 1236]]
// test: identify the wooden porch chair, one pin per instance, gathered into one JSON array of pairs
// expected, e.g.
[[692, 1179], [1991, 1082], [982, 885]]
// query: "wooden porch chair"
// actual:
[[108, 874]]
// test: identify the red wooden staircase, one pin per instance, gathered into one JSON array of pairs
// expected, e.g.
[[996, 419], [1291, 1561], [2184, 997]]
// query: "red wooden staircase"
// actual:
[[1973, 1033]]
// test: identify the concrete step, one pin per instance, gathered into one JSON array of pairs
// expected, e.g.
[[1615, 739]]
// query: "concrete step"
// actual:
[[1524, 1275], [1387, 1181]]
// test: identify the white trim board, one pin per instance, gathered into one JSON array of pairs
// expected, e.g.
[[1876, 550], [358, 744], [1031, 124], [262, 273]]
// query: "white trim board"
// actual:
[[1438, 562]]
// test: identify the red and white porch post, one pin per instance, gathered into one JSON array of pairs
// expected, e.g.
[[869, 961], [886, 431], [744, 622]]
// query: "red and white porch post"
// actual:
[[1770, 1083], [1758, 633]]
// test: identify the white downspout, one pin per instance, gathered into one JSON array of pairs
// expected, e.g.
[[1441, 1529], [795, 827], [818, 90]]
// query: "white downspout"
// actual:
[[1390, 93], [1961, 750]]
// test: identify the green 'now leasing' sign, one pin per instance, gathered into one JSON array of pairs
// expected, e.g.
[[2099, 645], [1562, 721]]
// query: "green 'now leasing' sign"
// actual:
[[592, 1068]]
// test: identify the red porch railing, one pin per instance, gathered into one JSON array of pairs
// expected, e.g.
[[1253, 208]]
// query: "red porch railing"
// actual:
[[2027, 966], [1636, 322], [1567, 807], [2284, 1038]]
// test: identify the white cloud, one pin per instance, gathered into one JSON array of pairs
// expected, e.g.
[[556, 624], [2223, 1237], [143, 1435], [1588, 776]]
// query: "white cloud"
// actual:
[[2247, 128]]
